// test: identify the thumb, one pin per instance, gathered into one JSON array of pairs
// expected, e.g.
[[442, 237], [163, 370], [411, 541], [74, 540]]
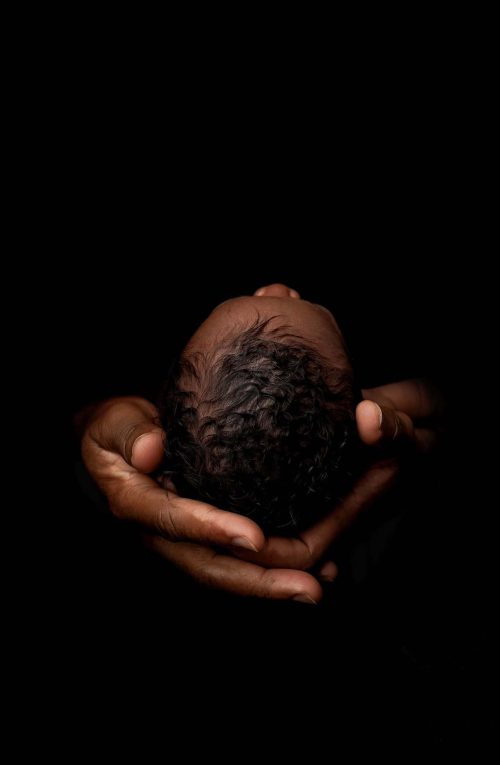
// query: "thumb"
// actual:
[[146, 452], [128, 427], [378, 424]]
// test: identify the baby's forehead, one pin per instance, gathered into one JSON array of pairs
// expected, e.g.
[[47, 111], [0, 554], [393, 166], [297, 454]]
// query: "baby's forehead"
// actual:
[[278, 318], [249, 303], [245, 310], [235, 316], [250, 317]]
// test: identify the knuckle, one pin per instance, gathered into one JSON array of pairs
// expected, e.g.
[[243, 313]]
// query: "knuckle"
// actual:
[[265, 584], [129, 435], [202, 569], [308, 560], [118, 408], [205, 513], [208, 521], [166, 523], [204, 576], [306, 557]]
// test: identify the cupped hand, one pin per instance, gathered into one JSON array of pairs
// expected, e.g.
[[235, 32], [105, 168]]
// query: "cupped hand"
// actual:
[[377, 426], [308, 549], [122, 442]]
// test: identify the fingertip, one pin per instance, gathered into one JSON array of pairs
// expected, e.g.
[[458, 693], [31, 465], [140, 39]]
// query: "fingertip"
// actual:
[[371, 413], [259, 539], [147, 451], [239, 532], [244, 543], [307, 589], [328, 572], [303, 597], [256, 536], [369, 419]]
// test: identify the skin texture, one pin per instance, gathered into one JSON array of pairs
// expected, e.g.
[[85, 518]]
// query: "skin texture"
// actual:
[[122, 443]]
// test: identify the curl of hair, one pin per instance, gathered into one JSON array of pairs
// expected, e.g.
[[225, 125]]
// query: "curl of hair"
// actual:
[[262, 427]]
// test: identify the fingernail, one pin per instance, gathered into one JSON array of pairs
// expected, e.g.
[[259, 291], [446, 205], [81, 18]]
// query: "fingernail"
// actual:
[[138, 440], [142, 438], [396, 430], [327, 577], [380, 415], [304, 598], [243, 542], [260, 292]]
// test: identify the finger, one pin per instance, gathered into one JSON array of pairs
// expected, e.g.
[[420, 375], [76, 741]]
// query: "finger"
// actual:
[[373, 483], [133, 496], [378, 424], [139, 499], [312, 544], [223, 572], [426, 439], [328, 572], [281, 552], [147, 450], [129, 428]]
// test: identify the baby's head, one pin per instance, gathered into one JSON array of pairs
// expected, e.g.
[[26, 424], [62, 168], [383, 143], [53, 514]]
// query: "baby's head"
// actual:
[[259, 411]]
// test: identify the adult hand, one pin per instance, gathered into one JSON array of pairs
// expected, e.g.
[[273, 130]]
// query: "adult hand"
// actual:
[[409, 412], [122, 442], [378, 425]]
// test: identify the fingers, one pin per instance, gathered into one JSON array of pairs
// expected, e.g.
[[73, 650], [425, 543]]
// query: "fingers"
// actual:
[[372, 484], [281, 552], [426, 439], [379, 424], [328, 572], [123, 439], [128, 427], [304, 552], [222, 572], [141, 500]]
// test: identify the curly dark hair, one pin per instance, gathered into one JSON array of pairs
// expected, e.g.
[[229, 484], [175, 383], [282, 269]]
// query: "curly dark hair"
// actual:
[[261, 426]]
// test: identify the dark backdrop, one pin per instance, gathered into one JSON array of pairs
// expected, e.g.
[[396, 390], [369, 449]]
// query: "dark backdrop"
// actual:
[[157, 196], [421, 623]]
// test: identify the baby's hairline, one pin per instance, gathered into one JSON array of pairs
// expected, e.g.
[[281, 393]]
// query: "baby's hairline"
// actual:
[[256, 329], [197, 367]]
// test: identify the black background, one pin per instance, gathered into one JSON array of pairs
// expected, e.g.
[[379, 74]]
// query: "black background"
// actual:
[[421, 624], [144, 233], [156, 185]]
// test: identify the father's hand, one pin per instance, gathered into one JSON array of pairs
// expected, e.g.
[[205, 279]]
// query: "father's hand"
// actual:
[[378, 426], [122, 442]]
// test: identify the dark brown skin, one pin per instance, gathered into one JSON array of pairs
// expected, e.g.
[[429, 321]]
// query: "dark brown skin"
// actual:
[[122, 443]]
